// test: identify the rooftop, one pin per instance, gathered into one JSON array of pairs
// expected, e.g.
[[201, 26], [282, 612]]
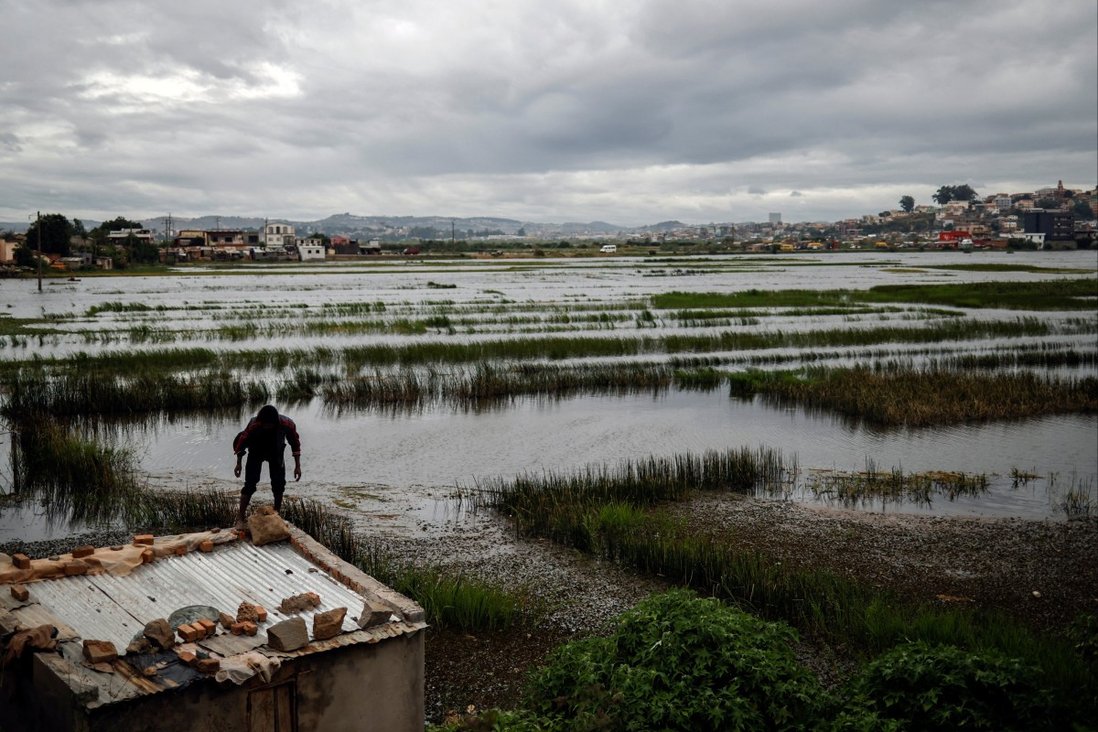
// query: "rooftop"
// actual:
[[111, 593]]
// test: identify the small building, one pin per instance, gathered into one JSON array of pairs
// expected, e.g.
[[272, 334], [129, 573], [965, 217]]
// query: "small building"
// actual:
[[122, 235], [306, 252], [148, 636], [7, 251], [370, 248]]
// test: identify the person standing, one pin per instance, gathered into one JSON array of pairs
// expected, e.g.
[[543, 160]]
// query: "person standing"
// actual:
[[264, 440]]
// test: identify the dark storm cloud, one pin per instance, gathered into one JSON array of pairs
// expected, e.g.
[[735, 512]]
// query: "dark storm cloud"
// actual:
[[621, 111]]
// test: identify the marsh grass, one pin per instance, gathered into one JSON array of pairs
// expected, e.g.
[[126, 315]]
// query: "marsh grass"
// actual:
[[1063, 294], [923, 397], [438, 352], [546, 503], [32, 393], [608, 515], [74, 477], [894, 485]]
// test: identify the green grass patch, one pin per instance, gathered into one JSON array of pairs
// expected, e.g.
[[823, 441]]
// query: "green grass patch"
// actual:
[[927, 397], [1075, 294]]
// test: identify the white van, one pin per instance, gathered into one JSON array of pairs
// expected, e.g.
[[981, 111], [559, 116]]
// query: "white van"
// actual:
[[609, 248]]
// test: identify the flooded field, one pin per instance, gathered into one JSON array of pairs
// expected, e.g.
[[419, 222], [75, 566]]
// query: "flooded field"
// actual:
[[315, 337]]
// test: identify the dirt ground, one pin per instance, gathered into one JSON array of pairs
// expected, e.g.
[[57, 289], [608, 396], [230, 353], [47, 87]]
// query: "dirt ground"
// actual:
[[1042, 572]]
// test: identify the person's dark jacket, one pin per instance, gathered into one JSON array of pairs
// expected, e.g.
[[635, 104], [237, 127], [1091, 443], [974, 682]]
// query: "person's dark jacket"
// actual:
[[255, 439]]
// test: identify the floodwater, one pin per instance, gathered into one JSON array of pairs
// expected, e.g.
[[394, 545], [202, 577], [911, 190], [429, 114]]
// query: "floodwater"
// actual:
[[397, 471]]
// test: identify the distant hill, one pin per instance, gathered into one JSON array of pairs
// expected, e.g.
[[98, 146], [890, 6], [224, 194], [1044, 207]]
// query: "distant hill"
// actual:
[[381, 227]]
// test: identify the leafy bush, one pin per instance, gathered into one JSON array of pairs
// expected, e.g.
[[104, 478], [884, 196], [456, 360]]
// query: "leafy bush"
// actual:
[[678, 662], [925, 687], [1084, 637]]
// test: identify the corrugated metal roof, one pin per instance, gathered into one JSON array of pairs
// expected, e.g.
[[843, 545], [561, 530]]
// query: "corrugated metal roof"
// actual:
[[117, 607], [106, 607]]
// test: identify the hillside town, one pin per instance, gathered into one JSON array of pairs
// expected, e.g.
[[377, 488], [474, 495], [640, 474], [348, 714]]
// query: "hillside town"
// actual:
[[1053, 217]]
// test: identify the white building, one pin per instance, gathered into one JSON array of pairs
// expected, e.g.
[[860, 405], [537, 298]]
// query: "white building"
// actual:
[[278, 236], [305, 252]]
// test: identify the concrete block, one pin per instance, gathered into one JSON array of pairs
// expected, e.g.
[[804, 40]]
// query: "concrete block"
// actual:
[[328, 624], [373, 613], [20, 593], [99, 651], [267, 527], [298, 603], [289, 635], [160, 634]]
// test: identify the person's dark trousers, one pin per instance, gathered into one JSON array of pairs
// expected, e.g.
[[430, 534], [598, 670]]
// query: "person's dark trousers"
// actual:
[[276, 467]]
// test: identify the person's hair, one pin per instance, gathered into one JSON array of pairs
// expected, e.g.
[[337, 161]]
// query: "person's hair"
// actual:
[[268, 415]]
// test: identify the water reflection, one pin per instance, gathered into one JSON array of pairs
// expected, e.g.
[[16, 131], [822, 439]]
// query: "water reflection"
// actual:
[[390, 461]]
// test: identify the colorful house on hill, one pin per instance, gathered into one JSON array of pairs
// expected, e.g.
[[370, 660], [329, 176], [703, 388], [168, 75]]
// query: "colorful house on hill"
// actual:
[[206, 631]]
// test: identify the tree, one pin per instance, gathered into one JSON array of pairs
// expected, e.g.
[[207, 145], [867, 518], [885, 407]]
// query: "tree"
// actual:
[[1048, 202], [99, 233], [964, 192], [1082, 210], [53, 231], [907, 203]]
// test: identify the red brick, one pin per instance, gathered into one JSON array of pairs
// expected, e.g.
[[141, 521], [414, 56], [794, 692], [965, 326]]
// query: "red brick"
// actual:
[[261, 613], [187, 657], [187, 633], [249, 627], [181, 550], [226, 621], [206, 546], [146, 539], [148, 556], [20, 593], [237, 628], [75, 568], [83, 551], [209, 627], [22, 561]]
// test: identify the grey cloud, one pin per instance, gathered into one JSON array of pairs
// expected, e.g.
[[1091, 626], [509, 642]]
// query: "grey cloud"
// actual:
[[554, 110]]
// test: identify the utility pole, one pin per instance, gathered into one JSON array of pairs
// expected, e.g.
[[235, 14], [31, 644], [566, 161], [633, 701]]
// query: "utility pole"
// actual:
[[39, 257]]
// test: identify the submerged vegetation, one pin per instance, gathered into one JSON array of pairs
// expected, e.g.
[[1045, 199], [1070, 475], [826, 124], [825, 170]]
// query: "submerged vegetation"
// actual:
[[923, 397]]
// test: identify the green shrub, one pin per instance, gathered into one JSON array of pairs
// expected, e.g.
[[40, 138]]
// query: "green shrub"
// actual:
[[925, 687], [678, 662]]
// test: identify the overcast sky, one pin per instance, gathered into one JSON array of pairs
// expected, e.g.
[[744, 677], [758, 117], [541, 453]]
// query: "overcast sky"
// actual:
[[624, 111]]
